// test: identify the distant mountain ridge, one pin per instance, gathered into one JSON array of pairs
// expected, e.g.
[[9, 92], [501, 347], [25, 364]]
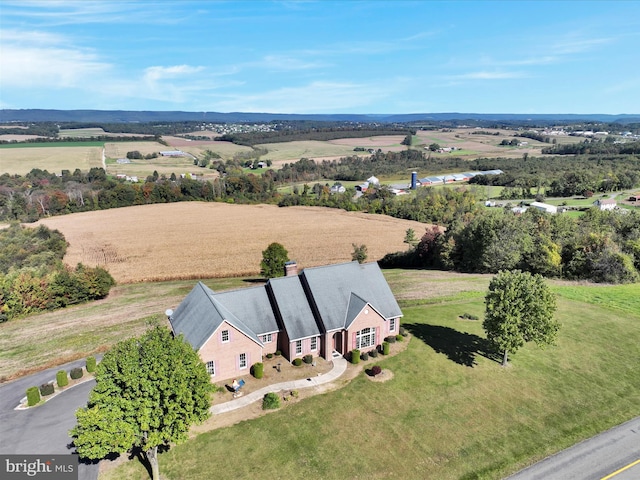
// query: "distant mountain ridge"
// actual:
[[128, 116]]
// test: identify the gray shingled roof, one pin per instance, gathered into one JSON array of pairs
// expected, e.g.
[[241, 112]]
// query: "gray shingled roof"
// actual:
[[332, 286], [356, 304], [295, 312], [252, 306], [200, 314], [337, 292]]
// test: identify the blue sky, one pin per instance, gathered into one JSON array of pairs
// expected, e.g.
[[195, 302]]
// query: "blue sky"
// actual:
[[325, 56]]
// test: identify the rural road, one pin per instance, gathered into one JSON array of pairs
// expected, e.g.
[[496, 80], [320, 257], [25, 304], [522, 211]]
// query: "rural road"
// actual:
[[611, 455], [44, 429]]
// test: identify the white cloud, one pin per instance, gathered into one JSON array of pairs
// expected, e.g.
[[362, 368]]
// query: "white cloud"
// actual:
[[67, 12], [287, 63], [157, 73], [45, 60], [316, 97], [484, 75], [570, 46]]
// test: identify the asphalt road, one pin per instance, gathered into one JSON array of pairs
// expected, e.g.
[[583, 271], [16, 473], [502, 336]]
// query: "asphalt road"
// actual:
[[612, 455], [44, 429]]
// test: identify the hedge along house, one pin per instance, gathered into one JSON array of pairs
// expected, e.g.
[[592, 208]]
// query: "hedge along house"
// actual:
[[323, 311]]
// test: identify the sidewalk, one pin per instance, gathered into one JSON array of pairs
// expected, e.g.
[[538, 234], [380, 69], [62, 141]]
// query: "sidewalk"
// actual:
[[339, 367]]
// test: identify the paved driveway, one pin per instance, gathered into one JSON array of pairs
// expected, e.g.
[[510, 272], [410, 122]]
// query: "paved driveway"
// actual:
[[43, 429]]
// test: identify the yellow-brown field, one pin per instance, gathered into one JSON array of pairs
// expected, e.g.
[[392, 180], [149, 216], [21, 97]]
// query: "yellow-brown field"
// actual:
[[199, 240], [120, 149], [226, 150], [54, 159]]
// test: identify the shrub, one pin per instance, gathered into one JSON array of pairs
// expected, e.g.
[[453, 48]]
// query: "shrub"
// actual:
[[257, 370], [308, 359], [364, 356], [269, 355], [399, 338], [403, 331], [376, 370], [76, 373], [385, 348], [270, 401], [61, 378], [297, 362], [46, 389], [91, 364], [390, 339], [278, 353], [373, 353], [294, 393], [468, 316], [355, 356], [33, 396]]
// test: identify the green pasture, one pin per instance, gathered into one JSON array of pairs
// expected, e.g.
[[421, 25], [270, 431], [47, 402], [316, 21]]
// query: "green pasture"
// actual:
[[450, 411], [81, 132]]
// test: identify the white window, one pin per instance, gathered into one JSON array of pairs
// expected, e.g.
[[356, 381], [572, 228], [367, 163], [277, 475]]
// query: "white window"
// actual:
[[243, 361], [314, 344], [211, 368], [225, 336], [392, 325], [266, 338], [298, 347], [366, 338]]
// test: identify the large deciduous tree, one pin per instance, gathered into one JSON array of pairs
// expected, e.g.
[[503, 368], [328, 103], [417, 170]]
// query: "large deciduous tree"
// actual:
[[519, 309], [273, 260], [149, 391]]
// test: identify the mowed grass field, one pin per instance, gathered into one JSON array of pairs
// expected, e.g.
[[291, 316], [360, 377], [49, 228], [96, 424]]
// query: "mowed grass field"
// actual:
[[201, 240], [450, 411]]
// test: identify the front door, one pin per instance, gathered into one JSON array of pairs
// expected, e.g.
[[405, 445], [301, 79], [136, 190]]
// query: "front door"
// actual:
[[337, 342]]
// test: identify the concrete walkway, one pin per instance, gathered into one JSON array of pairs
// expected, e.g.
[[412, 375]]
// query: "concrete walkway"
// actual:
[[339, 367]]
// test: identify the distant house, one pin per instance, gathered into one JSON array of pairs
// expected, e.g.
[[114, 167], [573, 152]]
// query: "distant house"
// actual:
[[519, 210], [372, 180], [544, 207], [362, 187], [337, 188], [606, 204], [322, 311]]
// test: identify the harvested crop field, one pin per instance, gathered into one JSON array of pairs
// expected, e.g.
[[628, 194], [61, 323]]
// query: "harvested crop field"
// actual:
[[52, 158], [203, 240], [384, 142]]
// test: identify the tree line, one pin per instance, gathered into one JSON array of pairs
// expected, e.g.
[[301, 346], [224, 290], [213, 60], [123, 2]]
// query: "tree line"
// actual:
[[33, 277], [597, 246]]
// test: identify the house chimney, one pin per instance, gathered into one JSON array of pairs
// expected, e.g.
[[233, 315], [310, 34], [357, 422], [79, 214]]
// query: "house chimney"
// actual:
[[290, 268]]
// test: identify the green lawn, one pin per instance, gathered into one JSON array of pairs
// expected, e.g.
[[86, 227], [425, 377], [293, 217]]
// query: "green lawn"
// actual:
[[451, 411]]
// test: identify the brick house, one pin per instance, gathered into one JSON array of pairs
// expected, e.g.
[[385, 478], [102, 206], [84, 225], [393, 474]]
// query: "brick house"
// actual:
[[323, 311]]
